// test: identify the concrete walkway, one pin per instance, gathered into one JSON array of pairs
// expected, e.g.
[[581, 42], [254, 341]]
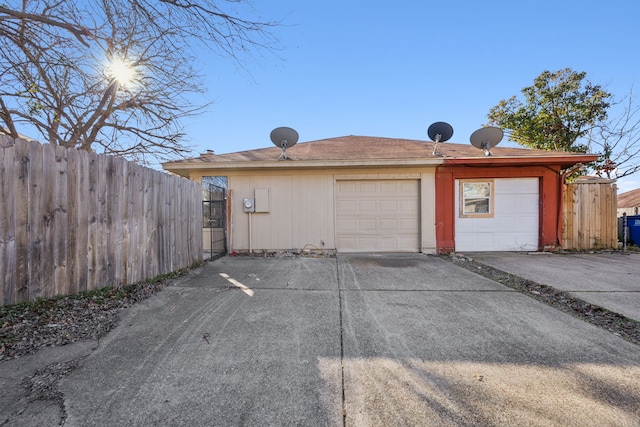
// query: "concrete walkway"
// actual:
[[378, 340]]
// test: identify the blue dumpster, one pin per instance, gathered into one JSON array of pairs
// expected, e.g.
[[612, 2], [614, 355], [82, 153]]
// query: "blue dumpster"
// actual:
[[633, 222]]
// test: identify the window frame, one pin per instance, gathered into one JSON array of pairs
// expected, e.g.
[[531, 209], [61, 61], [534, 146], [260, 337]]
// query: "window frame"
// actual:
[[463, 198]]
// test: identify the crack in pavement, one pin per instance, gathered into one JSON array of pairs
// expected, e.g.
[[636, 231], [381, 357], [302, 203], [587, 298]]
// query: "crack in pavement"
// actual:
[[344, 407], [41, 394]]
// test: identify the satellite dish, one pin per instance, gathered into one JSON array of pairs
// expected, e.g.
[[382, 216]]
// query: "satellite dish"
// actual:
[[439, 132], [486, 138], [284, 138]]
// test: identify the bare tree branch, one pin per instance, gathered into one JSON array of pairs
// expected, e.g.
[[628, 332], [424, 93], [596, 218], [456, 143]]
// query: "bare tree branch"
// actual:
[[618, 141], [5, 115], [80, 33], [55, 57]]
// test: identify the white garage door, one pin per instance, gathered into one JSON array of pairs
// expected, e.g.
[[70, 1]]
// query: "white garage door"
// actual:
[[511, 226], [377, 216]]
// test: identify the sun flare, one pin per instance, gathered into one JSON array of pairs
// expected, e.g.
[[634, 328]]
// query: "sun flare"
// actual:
[[122, 71]]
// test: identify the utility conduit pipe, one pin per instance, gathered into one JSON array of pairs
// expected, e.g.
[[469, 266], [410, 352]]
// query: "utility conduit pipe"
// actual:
[[250, 241]]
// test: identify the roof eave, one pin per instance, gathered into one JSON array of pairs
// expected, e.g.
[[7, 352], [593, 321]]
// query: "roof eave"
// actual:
[[563, 161], [184, 168], [298, 164]]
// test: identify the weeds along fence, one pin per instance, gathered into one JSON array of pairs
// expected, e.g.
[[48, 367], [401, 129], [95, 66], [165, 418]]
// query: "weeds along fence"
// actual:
[[72, 221], [589, 215]]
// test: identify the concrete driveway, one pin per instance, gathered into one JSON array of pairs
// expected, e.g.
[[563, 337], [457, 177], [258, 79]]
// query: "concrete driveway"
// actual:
[[610, 280], [377, 340]]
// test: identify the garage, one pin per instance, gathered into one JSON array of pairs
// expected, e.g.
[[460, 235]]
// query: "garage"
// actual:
[[377, 216], [373, 194], [497, 214]]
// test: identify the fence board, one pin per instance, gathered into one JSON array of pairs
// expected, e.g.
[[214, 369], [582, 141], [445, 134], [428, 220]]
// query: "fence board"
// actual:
[[109, 230], [595, 216], [145, 226], [171, 227], [36, 258], [179, 230], [103, 222], [5, 141], [21, 186], [71, 208], [134, 208], [157, 218], [81, 220], [72, 221], [93, 230], [120, 252], [7, 226], [48, 208], [61, 232]]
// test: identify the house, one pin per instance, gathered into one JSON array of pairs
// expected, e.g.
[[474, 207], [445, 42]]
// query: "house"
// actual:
[[629, 203], [372, 194]]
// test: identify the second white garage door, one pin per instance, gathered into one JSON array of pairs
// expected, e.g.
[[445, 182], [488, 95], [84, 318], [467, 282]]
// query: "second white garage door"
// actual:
[[512, 221], [377, 216]]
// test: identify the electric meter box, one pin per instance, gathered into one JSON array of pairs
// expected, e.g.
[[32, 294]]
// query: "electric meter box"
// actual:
[[249, 205]]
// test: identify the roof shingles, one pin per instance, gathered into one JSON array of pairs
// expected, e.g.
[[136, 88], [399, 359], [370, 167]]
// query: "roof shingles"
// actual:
[[370, 148], [630, 199]]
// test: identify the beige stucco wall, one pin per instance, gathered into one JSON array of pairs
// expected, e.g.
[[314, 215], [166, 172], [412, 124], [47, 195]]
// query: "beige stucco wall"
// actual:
[[301, 206], [300, 212]]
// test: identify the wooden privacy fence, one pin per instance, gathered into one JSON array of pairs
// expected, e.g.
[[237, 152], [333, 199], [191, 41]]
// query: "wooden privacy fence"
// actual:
[[589, 215], [73, 221]]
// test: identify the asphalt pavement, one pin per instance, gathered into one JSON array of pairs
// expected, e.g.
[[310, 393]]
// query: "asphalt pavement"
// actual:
[[357, 340]]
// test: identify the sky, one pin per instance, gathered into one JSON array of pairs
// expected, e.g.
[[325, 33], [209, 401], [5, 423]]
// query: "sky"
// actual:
[[390, 69]]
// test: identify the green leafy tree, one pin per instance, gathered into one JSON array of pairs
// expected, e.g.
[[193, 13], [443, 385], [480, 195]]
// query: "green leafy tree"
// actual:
[[115, 76], [558, 111]]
